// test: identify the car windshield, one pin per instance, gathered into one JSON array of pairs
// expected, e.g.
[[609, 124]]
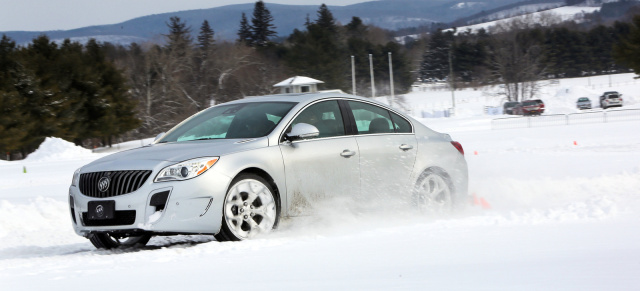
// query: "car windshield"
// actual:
[[612, 96], [583, 99], [244, 120], [529, 103]]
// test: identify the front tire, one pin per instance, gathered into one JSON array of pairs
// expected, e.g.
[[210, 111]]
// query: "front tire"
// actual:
[[250, 209], [109, 241]]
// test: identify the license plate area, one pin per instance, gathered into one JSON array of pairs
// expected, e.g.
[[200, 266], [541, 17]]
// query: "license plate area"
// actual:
[[99, 210]]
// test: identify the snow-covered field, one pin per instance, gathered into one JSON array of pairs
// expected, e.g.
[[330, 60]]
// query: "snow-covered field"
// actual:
[[563, 213]]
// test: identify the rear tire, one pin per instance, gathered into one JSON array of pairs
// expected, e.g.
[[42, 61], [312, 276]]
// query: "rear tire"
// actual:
[[433, 193], [108, 241], [250, 209]]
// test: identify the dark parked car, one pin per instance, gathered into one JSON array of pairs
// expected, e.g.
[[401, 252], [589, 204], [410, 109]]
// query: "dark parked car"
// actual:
[[508, 107], [583, 103], [530, 107], [610, 99]]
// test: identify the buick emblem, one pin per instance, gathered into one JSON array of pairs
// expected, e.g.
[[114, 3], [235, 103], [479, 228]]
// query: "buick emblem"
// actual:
[[99, 210], [103, 184]]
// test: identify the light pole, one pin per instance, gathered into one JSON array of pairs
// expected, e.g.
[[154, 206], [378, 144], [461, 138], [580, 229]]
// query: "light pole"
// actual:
[[373, 84], [391, 80], [353, 75], [453, 95]]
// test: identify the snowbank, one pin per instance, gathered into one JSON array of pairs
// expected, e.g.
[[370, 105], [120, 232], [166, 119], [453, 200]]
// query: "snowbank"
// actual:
[[55, 149]]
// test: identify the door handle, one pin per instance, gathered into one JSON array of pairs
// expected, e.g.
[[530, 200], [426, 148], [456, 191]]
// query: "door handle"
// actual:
[[406, 147], [347, 153]]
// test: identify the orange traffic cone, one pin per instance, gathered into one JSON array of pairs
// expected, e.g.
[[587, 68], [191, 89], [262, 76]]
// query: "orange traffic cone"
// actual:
[[485, 204], [575, 143]]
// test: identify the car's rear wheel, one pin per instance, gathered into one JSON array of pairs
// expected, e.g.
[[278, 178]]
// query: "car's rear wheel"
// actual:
[[109, 241], [433, 193], [250, 209]]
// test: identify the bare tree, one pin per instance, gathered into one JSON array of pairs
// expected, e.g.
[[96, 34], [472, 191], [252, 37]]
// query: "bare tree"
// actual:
[[517, 62]]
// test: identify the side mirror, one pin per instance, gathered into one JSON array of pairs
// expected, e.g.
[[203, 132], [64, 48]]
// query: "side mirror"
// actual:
[[302, 131], [158, 136]]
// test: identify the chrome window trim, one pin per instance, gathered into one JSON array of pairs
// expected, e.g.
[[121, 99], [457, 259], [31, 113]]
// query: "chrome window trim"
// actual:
[[281, 135], [388, 109], [305, 108]]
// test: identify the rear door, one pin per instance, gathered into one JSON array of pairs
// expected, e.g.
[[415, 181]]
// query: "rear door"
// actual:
[[387, 146]]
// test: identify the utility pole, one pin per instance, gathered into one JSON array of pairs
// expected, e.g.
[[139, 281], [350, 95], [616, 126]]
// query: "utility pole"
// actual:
[[373, 84], [391, 80], [353, 75], [453, 96]]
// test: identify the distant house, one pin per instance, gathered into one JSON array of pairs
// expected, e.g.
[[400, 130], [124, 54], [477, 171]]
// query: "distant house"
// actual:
[[298, 84]]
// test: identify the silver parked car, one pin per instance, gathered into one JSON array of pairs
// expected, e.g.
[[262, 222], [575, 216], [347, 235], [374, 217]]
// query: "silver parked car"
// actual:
[[235, 169], [583, 103], [610, 99]]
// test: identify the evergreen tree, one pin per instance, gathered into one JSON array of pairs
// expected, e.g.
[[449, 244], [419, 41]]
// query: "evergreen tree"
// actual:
[[14, 123], [325, 19], [435, 60], [262, 28], [205, 38], [245, 35], [627, 47], [179, 39]]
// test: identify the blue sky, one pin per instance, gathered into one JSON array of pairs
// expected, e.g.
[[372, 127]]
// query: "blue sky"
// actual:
[[43, 15]]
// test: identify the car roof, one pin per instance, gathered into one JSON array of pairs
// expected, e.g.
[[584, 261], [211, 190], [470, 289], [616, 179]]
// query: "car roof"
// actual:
[[301, 98]]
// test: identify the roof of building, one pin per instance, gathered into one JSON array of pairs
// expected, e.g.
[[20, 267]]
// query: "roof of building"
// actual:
[[298, 80]]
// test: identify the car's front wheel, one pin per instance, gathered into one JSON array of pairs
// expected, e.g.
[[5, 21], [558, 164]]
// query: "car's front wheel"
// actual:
[[433, 193], [109, 241], [250, 209]]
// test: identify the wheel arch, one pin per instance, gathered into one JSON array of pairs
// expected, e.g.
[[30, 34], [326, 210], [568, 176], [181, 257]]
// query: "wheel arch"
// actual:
[[265, 175]]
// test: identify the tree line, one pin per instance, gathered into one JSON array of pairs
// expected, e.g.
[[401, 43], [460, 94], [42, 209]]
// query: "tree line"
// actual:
[[520, 53], [68, 90], [94, 93]]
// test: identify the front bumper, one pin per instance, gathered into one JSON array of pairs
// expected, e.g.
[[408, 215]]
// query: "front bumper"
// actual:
[[191, 206]]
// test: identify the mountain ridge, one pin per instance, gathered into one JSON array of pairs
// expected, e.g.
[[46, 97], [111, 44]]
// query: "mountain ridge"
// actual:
[[225, 19]]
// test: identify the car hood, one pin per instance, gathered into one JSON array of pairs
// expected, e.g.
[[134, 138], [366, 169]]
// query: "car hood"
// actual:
[[148, 157]]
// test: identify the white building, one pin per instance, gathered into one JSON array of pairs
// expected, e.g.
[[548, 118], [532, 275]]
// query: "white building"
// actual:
[[298, 84]]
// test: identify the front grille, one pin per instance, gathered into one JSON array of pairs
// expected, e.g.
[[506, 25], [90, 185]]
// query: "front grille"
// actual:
[[120, 182], [124, 217]]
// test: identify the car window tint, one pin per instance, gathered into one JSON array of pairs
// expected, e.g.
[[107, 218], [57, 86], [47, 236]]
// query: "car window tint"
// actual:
[[325, 116], [400, 124], [370, 118]]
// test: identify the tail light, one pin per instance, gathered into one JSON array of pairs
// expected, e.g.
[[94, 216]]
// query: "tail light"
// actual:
[[458, 146]]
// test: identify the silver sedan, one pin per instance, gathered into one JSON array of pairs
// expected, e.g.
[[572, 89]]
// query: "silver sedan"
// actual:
[[235, 169]]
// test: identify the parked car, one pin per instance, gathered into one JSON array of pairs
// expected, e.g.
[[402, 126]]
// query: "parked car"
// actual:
[[508, 107], [235, 169], [530, 107], [583, 103], [610, 99]]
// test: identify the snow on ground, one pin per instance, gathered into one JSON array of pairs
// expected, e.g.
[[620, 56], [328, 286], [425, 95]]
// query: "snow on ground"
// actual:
[[563, 216]]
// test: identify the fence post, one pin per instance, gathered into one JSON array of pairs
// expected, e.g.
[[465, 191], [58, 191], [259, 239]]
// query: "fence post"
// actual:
[[567, 119], [604, 114], [529, 121]]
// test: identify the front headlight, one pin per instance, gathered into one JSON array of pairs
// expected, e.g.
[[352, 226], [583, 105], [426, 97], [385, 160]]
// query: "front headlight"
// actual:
[[186, 170], [75, 181]]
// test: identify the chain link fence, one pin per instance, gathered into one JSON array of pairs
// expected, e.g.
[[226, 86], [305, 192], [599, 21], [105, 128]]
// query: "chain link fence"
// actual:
[[566, 119]]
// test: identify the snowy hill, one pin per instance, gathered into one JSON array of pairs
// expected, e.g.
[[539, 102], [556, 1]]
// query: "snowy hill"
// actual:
[[545, 18]]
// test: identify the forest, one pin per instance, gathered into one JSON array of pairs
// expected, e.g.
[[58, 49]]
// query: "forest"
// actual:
[[95, 94]]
